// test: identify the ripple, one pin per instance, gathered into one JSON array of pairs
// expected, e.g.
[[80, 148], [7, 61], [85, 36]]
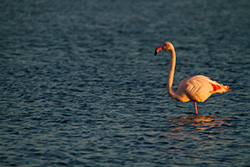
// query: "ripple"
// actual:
[[80, 85]]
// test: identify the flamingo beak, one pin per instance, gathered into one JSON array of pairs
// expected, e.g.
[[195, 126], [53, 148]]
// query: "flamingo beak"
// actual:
[[158, 49]]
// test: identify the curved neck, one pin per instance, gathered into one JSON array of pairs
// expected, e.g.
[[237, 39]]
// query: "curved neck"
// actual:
[[171, 74]]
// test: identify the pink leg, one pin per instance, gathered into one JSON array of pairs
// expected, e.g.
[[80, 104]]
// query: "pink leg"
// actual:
[[195, 107]]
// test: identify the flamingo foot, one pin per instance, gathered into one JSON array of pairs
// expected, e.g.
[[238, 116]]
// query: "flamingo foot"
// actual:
[[195, 107]]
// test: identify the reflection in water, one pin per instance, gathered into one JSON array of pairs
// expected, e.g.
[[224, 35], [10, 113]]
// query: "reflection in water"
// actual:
[[200, 122], [190, 130], [194, 137]]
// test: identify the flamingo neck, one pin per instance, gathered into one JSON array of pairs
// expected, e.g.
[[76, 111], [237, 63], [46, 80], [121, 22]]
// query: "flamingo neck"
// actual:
[[171, 74]]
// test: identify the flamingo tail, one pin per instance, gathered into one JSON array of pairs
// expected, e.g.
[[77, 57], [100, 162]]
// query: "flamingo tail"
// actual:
[[219, 88]]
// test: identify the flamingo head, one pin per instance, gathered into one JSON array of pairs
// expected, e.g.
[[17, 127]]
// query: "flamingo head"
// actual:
[[165, 46]]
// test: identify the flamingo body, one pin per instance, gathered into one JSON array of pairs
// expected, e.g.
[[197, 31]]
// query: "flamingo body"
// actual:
[[196, 88]]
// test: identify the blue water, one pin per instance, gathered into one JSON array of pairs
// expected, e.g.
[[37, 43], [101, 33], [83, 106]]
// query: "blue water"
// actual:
[[79, 85]]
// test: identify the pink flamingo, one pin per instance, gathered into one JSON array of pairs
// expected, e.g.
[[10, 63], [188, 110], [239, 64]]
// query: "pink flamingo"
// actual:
[[197, 88]]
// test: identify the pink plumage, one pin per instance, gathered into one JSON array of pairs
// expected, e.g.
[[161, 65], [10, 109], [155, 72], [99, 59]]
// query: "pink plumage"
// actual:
[[197, 88]]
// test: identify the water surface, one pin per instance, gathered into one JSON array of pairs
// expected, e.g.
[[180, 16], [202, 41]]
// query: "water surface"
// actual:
[[79, 85]]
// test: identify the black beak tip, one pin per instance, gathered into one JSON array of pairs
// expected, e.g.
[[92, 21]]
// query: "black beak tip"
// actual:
[[155, 53]]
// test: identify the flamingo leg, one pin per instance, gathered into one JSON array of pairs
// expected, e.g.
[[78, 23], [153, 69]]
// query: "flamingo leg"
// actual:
[[195, 107]]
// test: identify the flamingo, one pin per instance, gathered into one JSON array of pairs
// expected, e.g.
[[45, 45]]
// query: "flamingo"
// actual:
[[196, 88]]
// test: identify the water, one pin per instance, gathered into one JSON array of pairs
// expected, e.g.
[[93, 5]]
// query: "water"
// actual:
[[80, 85]]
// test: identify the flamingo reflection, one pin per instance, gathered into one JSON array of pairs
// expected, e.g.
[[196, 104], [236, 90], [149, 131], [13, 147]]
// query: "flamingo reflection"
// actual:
[[180, 126]]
